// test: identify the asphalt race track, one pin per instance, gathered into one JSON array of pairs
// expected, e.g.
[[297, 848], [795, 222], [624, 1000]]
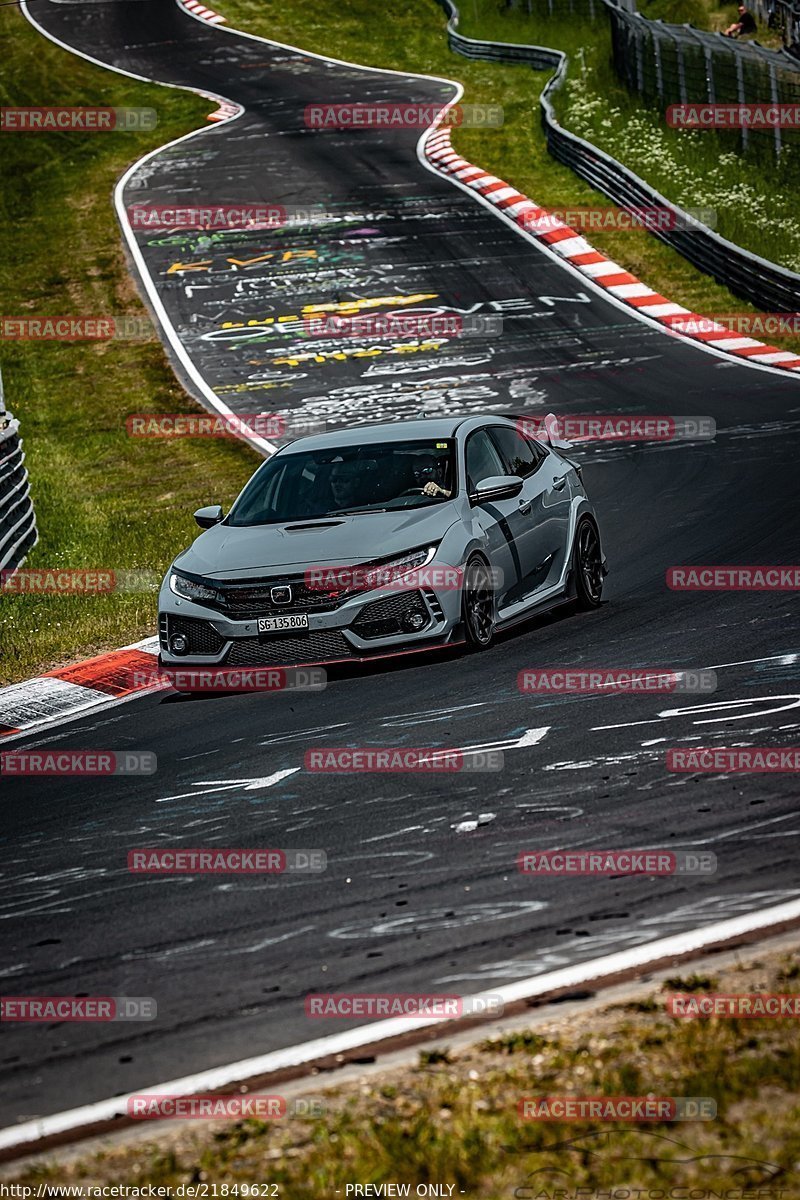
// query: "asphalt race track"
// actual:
[[408, 902]]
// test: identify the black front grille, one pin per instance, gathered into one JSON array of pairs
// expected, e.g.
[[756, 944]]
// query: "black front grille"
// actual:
[[383, 618], [280, 651], [246, 601], [202, 638]]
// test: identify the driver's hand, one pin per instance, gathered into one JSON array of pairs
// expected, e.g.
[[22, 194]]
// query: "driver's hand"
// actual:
[[433, 489]]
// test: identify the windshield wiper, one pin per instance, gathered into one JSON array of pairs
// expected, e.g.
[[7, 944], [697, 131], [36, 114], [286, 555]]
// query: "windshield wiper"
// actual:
[[347, 512]]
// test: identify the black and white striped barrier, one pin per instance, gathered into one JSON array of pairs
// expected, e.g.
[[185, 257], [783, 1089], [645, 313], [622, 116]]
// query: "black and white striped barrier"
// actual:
[[18, 532]]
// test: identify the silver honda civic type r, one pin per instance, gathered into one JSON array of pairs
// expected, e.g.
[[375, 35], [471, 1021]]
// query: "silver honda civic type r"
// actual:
[[359, 543]]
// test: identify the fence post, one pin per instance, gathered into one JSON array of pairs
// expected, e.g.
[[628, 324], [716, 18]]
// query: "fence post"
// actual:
[[681, 70], [657, 57], [712, 96], [638, 34], [741, 95], [773, 87]]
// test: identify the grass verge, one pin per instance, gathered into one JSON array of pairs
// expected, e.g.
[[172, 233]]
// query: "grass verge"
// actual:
[[102, 500], [453, 1118]]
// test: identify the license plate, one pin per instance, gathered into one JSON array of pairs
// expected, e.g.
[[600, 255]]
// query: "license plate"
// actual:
[[281, 624]]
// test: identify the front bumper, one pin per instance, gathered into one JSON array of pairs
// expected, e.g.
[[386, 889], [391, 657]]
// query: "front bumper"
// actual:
[[369, 625]]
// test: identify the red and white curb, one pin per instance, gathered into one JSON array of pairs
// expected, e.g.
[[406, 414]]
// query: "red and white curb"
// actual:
[[607, 274], [227, 111], [74, 690], [199, 10]]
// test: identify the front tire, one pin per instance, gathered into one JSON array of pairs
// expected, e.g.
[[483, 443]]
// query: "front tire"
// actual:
[[587, 565], [478, 605]]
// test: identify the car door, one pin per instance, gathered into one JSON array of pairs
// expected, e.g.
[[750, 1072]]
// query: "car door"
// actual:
[[541, 522], [501, 520]]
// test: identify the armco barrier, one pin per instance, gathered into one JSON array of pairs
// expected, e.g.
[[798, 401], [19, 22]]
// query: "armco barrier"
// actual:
[[17, 520], [763, 283]]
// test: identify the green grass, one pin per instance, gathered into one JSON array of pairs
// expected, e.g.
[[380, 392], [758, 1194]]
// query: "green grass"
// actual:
[[453, 1118], [102, 499]]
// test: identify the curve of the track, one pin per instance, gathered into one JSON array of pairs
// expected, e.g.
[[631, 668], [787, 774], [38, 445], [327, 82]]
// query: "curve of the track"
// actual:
[[408, 901]]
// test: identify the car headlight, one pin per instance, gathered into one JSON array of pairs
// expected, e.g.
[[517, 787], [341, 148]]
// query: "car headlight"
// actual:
[[189, 589], [387, 572]]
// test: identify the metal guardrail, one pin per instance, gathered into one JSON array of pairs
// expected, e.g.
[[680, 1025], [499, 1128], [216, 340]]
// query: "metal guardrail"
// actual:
[[765, 284], [18, 532]]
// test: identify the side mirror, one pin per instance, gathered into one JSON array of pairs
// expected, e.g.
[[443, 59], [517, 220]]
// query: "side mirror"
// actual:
[[496, 487], [211, 515]]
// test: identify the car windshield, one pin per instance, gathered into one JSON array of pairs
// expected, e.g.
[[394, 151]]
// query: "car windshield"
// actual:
[[305, 485]]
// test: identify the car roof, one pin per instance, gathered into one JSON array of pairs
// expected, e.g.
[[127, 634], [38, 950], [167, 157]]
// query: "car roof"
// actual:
[[386, 431]]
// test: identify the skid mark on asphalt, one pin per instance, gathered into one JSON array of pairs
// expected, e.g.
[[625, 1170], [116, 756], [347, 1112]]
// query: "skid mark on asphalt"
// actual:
[[437, 919], [264, 943], [561, 954]]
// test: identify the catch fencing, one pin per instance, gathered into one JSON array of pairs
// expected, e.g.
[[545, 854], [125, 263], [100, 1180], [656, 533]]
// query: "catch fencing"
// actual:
[[678, 64]]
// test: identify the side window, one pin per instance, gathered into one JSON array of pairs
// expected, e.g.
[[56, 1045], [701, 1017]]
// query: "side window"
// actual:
[[521, 456], [482, 459]]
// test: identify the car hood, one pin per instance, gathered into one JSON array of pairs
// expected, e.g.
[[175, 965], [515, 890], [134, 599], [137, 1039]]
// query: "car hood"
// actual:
[[230, 552]]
